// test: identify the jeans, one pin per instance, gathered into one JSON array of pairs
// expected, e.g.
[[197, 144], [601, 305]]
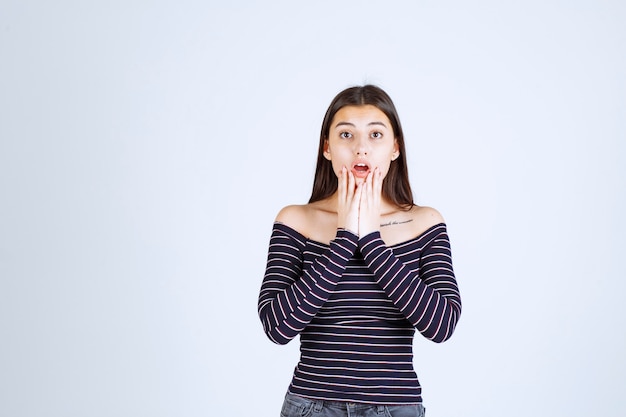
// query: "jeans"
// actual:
[[295, 406]]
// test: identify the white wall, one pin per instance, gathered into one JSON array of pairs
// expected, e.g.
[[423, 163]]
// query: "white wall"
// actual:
[[145, 148]]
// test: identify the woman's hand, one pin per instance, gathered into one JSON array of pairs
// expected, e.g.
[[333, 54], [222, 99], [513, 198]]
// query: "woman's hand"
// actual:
[[369, 204], [348, 198]]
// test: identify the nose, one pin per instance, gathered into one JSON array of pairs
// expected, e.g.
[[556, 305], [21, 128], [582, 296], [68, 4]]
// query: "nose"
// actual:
[[361, 146]]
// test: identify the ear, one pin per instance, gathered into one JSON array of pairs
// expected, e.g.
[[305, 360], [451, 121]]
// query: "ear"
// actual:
[[396, 151], [326, 150]]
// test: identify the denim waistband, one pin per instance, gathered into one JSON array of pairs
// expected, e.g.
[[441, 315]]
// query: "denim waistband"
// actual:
[[318, 405]]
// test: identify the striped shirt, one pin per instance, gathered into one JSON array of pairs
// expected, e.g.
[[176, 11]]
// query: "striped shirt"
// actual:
[[356, 304]]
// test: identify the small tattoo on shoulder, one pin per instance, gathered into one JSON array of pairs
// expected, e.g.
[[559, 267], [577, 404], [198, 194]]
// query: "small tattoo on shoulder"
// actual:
[[395, 222]]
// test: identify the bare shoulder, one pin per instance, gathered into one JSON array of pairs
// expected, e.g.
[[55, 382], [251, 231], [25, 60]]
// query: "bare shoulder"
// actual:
[[423, 218], [427, 214], [312, 221], [402, 225], [293, 216]]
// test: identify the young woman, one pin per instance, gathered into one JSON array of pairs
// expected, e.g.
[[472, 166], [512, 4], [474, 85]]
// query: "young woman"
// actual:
[[356, 270]]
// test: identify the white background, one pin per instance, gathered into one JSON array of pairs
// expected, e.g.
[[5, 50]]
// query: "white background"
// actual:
[[145, 148]]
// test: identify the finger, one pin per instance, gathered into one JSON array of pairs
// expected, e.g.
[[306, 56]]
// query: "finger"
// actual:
[[341, 187], [358, 196], [363, 198], [369, 186], [377, 184], [351, 185]]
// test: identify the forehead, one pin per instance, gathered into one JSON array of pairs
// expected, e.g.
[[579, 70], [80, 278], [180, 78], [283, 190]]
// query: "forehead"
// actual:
[[360, 116]]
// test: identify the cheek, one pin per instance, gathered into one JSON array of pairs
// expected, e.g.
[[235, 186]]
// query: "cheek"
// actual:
[[384, 167], [339, 160]]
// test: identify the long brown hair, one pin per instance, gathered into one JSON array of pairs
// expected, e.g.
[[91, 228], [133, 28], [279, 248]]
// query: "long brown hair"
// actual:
[[396, 187]]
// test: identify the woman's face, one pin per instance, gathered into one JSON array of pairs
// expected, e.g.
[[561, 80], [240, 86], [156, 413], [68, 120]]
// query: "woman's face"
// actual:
[[361, 138]]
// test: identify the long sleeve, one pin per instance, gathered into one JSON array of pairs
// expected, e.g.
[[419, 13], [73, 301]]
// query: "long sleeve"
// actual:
[[426, 293], [292, 294]]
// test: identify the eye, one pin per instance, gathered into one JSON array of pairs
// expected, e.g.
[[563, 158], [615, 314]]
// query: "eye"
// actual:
[[345, 135], [376, 135]]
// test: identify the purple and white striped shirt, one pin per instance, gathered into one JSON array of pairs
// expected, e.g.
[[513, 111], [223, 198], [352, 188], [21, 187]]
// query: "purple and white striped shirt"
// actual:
[[356, 304]]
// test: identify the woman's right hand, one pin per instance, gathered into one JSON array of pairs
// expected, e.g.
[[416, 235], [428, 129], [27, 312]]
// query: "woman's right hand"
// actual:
[[348, 199]]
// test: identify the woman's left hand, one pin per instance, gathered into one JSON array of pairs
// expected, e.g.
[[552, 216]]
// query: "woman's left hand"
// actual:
[[369, 207]]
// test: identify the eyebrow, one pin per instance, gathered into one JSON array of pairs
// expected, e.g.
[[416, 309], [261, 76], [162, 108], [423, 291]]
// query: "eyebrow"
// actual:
[[369, 124]]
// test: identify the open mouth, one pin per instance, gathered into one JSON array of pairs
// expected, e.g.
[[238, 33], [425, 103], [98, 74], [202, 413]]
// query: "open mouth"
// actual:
[[360, 169]]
